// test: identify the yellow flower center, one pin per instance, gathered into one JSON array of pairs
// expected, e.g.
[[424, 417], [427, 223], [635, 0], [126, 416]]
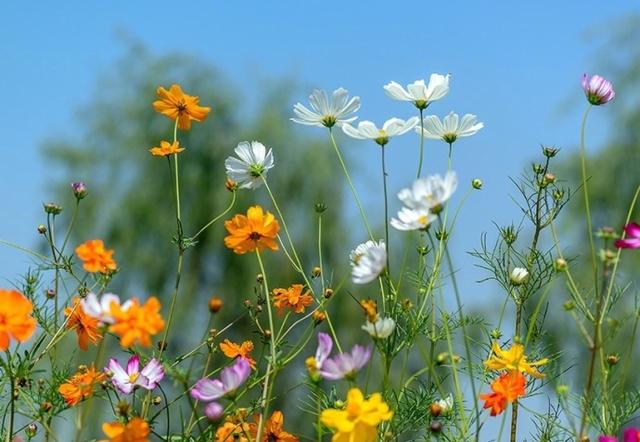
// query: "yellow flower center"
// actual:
[[133, 377]]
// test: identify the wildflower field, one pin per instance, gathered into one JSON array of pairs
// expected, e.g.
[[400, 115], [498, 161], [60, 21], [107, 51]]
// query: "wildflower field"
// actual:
[[280, 362]]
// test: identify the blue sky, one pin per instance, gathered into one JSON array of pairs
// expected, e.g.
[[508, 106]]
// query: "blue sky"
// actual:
[[517, 65]]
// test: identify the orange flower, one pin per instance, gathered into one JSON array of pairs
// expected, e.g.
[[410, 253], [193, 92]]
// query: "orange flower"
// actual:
[[506, 389], [292, 298], [257, 230], [137, 323], [175, 104], [273, 431], [233, 350], [15, 318], [95, 257], [370, 309], [166, 148], [136, 430], [235, 430], [87, 327], [80, 385]]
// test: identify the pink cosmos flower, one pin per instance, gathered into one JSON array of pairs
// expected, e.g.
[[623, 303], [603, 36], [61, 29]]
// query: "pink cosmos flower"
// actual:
[[632, 240], [597, 89], [629, 435], [325, 344], [232, 377], [346, 365], [127, 379]]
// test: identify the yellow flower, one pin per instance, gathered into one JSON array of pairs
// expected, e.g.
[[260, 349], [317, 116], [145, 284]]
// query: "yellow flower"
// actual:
[[177, 105], [513, 359], [360, 418], [166, 148]]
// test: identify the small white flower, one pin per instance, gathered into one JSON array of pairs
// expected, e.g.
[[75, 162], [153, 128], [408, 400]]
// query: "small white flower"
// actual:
[[451, 128], [519, 276], [381, 329], [368, 260], [101, 308], [420, 94], [412, 219], [446, 405], [253, 163], [368, 131], [324, 113]]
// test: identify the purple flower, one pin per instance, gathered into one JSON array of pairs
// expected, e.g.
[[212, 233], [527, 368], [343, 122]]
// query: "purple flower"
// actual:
[[632, 240], [79, 189], [232, 377], [214, 411], [127, 379], [597, 89], [346, 365]]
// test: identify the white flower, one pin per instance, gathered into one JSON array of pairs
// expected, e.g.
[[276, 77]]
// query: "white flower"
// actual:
[[412, 219], [368, 131], [380, 329], [519, 276], [446, 405], [451, 128], [368, 260], [253, 163], [420, 94], [101, 308], [325, 113]]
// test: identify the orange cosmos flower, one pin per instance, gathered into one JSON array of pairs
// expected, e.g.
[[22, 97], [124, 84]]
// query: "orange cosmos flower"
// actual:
[[257, 230], [506, 389], [80, 385], [236, 430], [177, 105], [292, 298], [233, 350], [87, 327], [15, 318], [370, 309], [95, 257], [136, 430], [166, 148], [135, 324], [273, 431]]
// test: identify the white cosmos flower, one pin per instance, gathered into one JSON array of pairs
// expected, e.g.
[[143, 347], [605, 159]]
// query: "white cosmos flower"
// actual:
[[519, 276], [325, 113], [412, 219], [446, 405], [418, 92], [381, 329], [101, 308], [252, 164], [368, 131], [368, 260], [450, 128]]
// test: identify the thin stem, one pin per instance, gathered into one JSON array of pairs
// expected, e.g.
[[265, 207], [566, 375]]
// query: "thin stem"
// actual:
[[421, 145], [585, 189], [386, 216], [353, 189], [206, 226]]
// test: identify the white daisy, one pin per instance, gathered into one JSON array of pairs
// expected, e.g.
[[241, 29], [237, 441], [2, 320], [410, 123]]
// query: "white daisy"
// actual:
[[253, 163], [324, 113], [412, 219], [368, 131], [451, 128], [429, 192], [418, 92], [380, 329], [368, 260]]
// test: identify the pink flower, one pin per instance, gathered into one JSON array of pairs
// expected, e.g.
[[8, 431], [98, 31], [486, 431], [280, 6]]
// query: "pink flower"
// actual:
[[126, 380], [632, 240], [325, 344], [346, 365], [607, 439], [597, 89], [232, 377], [214, 411], [629, 435]]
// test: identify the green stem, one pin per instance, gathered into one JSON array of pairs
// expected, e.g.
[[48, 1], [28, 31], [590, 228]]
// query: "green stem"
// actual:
[[421, 145], [386, 217], [585, 189], [353, 189]]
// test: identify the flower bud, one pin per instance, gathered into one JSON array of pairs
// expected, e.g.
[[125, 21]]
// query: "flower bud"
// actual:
[[231, 185], [568, 306], [562, 389], [435, 427], [42, 229], [214, 411], [52, 208], [550, 152], [259, 278], [597, 89], [519, 276], [215, 304], [157, 400], [537, 168], [123, 408], [549, 178], [46, 406], [320, 207], [435, 409], [496, 333], [51, 293], [162, 345], [79, 190], [318, 317], [509, 234], [267, 334], [315, 272], [558, 194], [560, 264], [328, 293], [476, 184], [613, 359], [31, 430]]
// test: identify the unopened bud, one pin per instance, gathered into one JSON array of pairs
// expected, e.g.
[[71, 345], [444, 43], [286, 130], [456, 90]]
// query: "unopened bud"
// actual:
[[259, 278], [519, 276], [568, 305], [318, 317], [613, 359], [496, 333], [231, 185], [328, 293], [157, 400], [435, 409], [549, 178], [162, 345], [315, 272], [79, 190], [46, 406], [550, 152], [31, 430], [215, 304], [51, 293], [562, 389], [537, 168], [267, 334], [560, 264], [52, 208], [320, 207], [123, 408], [476, 184], [42, 229], [435, 427]]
